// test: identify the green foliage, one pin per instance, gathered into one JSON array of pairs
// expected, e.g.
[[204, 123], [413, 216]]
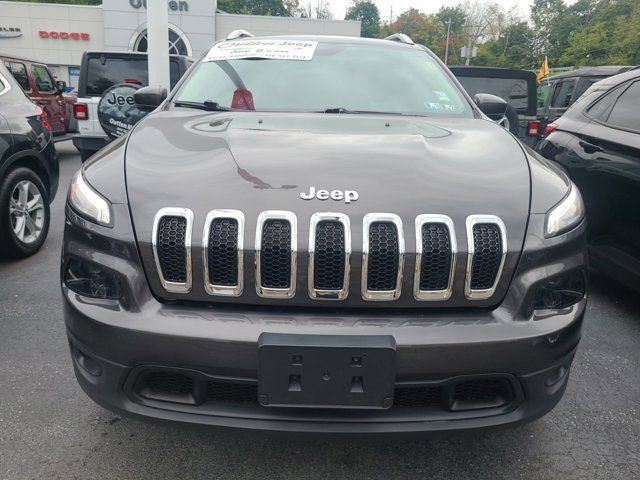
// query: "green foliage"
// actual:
[[425, 29], [274, 8], [369, 16]]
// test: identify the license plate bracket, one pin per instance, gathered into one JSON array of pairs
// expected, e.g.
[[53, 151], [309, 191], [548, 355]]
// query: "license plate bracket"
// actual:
[[326, 371]]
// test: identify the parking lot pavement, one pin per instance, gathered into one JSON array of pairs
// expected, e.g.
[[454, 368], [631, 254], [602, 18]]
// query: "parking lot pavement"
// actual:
[[50, 430]]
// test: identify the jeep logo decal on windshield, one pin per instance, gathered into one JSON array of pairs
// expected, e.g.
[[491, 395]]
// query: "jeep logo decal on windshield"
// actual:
[[348, 195]]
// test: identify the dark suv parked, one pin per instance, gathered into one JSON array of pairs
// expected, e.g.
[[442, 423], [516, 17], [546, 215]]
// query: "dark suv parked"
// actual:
[[516, 87], [98, 72], [292, 241], [597, 141], [28, 171], [560, 92]]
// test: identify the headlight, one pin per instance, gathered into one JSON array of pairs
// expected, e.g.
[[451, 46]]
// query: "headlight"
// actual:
[[87, 202], [565, 215]]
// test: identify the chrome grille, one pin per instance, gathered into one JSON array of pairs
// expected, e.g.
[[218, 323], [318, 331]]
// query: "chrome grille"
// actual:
[[435, 257], [171, 242], [222, 252], [276, 248], [382, 256], [329, 252], [328, 272], [487, 243]]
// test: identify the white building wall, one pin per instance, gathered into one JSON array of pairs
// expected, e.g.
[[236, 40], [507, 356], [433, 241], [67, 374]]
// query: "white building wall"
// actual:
[[262, 25], [122, 20], [33, 17]]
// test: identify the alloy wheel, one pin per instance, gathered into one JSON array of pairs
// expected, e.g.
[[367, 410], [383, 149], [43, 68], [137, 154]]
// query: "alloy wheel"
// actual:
[[26, 212]]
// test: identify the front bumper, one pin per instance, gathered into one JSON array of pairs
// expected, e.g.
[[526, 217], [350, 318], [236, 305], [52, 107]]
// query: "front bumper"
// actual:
[[111, 350], [114, 344]]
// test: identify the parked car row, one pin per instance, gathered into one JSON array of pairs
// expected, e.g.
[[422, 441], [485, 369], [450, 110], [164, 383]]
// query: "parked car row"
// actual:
[[28, 170]]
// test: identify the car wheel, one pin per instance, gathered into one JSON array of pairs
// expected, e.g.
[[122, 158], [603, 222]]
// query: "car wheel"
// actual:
[[510, 120], [24, 214]]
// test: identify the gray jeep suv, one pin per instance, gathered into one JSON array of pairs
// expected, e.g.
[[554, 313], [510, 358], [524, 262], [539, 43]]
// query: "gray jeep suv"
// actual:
[[323, 234]]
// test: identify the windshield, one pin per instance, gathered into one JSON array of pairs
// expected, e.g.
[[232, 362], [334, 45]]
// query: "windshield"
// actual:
[[341, 77]]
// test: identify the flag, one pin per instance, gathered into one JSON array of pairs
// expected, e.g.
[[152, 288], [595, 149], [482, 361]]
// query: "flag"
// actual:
[[544, 70]]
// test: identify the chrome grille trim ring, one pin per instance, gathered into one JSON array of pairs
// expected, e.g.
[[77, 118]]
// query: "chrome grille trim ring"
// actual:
[[217, 289], [271, 292], [187, 214], [440, 294], [381, 295], [322, 294], [471, 223]]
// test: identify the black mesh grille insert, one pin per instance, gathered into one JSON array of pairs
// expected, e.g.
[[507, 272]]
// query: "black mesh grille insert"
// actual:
[[487, 244], [436, 257], [169, 382], [328, 263], [232, 392], [223, 252], [418, 397], [171, 248], [275, 254], [382, 270]]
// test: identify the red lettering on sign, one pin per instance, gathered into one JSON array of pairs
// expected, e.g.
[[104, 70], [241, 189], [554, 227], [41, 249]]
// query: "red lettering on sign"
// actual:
[[63, 35]]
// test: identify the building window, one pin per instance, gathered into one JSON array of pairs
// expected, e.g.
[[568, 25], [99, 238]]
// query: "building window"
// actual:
[[178, 41]]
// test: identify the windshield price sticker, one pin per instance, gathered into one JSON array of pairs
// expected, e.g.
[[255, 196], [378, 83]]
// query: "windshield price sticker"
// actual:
[[268, 49]]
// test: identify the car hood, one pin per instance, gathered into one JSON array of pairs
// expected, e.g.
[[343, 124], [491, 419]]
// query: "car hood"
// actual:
[[256, 161]]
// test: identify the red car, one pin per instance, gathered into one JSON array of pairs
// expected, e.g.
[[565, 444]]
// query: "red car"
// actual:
[[39, 84]]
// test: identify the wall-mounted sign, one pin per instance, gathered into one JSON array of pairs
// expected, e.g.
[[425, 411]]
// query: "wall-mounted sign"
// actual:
[[172, 5], [117, 112], [10, 32], [63, 35]]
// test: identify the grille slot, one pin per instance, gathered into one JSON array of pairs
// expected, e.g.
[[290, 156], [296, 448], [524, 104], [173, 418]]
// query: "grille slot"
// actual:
[[329, 251], [276, 248], [383, 257], [171, 241], [435, 257], [223, 252], [487, 250]]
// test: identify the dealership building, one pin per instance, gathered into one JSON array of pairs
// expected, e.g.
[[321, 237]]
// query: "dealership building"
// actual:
[[58, 34]]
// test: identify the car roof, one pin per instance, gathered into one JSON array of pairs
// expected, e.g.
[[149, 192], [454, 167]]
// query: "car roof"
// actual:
[[335, 39], [491, 72], [601, 71], [20, 59], [127, 54]]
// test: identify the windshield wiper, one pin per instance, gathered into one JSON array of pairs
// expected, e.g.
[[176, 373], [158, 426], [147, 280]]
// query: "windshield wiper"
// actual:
[[208, 105], [357, 112]]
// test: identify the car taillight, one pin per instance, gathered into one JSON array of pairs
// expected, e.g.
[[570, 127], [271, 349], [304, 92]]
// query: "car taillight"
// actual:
[[42, 116], [550, 128], [533, 128], [80, 111]]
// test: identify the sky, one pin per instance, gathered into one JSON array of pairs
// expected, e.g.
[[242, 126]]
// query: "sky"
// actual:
[[339, 7]]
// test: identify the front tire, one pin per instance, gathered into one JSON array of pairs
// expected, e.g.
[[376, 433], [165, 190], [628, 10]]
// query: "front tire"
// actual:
[[24, 214]]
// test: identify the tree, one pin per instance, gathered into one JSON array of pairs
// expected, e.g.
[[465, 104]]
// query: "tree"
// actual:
[[322, 9], [274, 8], [422, 28], [369, 16]]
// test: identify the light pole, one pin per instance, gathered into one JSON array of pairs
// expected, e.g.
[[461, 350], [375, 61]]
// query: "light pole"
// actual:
[[446, 48], [158, 43]]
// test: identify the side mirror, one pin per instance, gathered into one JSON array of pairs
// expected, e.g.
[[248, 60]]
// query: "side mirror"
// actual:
[[61, 86], [148, 98], [493, 107]]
